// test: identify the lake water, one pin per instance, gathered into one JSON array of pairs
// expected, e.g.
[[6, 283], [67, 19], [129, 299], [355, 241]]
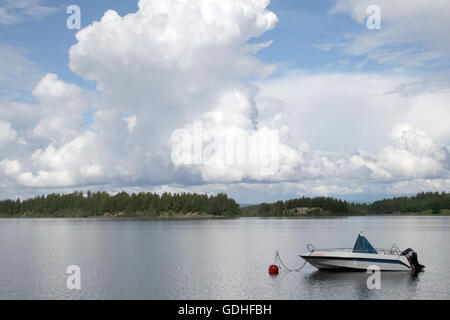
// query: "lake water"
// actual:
[[212, 259]]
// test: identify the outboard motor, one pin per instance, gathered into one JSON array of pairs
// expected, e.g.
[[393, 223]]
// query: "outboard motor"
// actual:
[[411, 255]]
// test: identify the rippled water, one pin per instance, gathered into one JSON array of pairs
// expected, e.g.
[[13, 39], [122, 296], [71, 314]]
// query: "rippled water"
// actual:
[[212, 259]]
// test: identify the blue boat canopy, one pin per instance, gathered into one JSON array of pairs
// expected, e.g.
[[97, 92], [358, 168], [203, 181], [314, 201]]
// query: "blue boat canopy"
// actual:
[[362, 245]]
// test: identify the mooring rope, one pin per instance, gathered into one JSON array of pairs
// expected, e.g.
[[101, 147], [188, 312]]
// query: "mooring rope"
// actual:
[[281, 263]]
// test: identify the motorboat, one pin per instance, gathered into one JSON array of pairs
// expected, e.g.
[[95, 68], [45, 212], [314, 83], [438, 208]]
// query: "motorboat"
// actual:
[[362, 256]]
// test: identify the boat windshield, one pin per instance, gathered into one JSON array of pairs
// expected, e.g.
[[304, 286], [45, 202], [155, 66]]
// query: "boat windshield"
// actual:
[[362, 245]]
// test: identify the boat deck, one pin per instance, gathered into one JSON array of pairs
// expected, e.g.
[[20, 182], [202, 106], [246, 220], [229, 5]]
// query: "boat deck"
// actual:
[[350, 250]]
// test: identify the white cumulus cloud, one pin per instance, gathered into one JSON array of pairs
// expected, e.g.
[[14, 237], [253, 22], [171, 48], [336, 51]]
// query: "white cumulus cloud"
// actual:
[[7, 133], [175, 63]]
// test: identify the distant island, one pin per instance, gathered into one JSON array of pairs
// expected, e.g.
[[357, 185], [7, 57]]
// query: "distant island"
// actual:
[[193, 206], [422, 203]]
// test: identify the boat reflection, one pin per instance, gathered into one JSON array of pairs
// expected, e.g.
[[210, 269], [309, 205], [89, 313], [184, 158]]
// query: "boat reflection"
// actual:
[[354, 285]]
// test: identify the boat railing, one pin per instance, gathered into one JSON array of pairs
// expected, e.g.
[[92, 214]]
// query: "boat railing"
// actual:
[[333, 249], [394, 250]]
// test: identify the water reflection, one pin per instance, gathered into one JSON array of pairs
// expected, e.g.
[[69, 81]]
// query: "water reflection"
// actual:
[[129, 259], [353, 285]]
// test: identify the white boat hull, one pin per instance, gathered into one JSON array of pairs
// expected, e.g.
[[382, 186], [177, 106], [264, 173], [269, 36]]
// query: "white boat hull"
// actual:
[[357, 261]]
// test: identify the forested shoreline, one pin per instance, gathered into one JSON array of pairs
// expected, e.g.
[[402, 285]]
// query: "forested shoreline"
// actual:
[[421, 203], [98, 204], [102, 204]]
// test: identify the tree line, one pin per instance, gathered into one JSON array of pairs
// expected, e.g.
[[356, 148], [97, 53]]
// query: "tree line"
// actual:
[[318, 205], [432, 202], [101, 203], [78, 204]]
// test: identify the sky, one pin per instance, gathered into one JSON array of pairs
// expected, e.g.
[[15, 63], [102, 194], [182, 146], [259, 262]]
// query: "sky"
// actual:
[[263, 100]]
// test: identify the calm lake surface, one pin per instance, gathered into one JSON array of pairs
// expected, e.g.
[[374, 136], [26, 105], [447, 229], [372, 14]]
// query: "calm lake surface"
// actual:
[[212, 259]]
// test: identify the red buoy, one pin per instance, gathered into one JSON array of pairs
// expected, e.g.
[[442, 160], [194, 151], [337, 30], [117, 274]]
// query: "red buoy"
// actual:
[[273, 270]]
